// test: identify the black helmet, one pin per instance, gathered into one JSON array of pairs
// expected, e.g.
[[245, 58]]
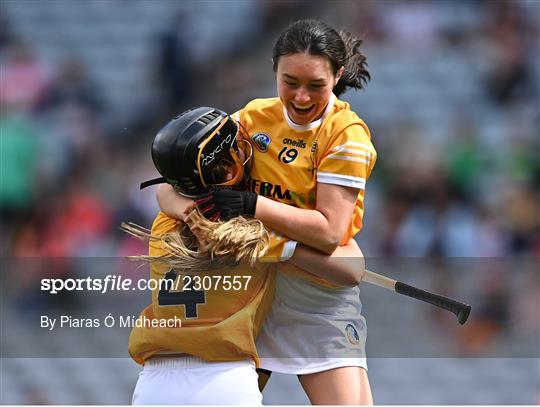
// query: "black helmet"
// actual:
[[190, 145]]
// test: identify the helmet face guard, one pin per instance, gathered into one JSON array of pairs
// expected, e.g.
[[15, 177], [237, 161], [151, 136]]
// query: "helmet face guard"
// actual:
[[195, 150], [222, 146]]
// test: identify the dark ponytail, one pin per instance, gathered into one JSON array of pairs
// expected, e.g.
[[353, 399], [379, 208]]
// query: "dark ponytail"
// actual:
[[355, 74], [318, 38]]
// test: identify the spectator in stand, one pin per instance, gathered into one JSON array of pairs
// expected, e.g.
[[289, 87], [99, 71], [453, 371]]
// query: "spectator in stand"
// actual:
[[24, 78]]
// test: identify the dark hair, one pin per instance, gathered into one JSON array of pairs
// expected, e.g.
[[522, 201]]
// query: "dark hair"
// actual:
[[318, 38], [218, 173]]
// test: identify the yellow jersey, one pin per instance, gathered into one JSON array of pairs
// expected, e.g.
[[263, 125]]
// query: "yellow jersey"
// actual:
[[219, 313], [290, 159]]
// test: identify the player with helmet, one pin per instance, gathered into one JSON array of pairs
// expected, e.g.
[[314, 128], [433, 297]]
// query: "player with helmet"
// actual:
[[203, 358]]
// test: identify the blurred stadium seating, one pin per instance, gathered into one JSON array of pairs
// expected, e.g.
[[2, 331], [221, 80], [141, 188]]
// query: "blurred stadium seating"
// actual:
[[453, 107]]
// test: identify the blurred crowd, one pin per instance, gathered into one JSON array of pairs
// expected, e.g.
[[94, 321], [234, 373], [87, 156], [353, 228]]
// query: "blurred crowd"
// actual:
[[73, 153]]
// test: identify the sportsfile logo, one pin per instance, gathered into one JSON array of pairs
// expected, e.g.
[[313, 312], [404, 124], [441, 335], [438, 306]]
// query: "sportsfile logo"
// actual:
[[169, 283], [207, 159]]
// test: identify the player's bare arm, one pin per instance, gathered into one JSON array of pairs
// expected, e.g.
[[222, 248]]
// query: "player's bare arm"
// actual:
[[171, 203], [344, 267], [321, 228]]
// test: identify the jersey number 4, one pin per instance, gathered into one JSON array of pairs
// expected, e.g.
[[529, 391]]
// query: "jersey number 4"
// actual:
[[189, 299]]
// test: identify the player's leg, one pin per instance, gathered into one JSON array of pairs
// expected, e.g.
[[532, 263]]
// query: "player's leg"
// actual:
[[344, 386], [156, 385], [228, 383]]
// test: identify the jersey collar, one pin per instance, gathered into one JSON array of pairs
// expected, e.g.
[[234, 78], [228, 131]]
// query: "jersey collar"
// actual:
[[311, 125]]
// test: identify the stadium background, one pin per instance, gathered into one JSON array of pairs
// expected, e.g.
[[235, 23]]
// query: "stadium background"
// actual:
[[453, 107]]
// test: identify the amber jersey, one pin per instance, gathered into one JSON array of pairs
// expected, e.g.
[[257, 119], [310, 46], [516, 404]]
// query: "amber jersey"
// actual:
[[221, 312], [289, 159]]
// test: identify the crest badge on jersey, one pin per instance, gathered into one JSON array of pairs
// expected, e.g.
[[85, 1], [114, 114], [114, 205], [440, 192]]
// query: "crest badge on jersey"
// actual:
[[352, 334], [261, 141]]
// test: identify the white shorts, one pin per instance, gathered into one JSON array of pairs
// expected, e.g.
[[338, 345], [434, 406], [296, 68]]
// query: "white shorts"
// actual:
[[312, 329], [190, 380]]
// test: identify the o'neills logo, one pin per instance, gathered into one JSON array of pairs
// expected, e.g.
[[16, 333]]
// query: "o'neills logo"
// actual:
[[352, 334], [294, 143], [261, 141]]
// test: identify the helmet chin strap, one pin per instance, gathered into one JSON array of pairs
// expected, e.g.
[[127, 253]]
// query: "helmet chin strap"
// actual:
[[155, 181]]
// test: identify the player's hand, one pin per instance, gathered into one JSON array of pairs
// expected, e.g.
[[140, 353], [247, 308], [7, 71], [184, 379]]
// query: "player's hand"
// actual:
[[225, 203]]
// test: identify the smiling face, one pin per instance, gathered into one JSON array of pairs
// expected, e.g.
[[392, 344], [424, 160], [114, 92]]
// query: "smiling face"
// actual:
[[305, 84]]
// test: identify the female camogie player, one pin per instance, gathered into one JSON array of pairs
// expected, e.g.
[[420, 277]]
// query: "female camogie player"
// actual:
[[201, 347], [312, 158]]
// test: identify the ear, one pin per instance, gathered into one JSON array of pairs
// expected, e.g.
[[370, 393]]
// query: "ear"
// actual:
[[338, 75]]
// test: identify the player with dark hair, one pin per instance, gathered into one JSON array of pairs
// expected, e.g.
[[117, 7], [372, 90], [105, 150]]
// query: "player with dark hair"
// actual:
[[312, 158], [208, 356]]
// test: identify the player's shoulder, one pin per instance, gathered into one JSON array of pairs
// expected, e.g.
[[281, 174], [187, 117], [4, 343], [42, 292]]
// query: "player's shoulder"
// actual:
[[164, 224], [270, 108], [344, 120], [342, 111], [263, 103]]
